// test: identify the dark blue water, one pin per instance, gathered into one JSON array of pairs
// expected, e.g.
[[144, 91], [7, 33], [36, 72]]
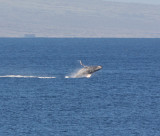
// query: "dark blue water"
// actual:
[[122, 99]]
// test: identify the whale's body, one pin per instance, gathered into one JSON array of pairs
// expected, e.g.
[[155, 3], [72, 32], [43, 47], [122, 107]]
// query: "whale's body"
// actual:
[[86, 71]]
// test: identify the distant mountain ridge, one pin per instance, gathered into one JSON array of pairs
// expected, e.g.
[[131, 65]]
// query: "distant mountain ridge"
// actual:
[[85, 18]]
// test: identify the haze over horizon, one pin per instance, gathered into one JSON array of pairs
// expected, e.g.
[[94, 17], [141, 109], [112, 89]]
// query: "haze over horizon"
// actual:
[[137, 1], [85, 18]]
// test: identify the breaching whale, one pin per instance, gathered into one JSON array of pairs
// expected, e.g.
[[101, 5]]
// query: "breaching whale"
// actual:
[[86, 71]]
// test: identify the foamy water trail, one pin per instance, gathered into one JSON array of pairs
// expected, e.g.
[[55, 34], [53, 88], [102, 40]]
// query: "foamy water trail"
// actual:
[[22, 76]]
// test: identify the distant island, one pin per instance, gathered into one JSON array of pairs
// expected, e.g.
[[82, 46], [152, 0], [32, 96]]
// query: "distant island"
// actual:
[[29, 35]]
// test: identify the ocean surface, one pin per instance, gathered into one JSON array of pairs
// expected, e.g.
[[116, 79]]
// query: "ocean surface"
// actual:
[[122, 99]]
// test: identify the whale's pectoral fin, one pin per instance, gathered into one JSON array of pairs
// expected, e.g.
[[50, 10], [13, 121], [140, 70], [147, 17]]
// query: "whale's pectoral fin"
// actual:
[[82, 64]]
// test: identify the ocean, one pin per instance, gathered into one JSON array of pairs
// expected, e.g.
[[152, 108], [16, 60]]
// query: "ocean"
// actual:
[[121, 99]]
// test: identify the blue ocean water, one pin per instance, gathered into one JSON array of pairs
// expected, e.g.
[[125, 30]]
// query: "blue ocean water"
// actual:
[[122, 99]]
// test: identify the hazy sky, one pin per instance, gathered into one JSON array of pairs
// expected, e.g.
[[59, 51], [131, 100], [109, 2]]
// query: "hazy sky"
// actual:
[[138, 1], [83, 18]]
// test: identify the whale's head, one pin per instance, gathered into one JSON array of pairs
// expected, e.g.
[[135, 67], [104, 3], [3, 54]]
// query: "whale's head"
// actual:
[[98, 68], [92, 69]]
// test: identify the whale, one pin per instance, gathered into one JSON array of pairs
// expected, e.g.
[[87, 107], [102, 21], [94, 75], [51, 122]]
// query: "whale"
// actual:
[[86, 71]]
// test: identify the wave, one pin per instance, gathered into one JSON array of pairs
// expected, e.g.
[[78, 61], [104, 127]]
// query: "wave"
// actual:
[[22, 76]]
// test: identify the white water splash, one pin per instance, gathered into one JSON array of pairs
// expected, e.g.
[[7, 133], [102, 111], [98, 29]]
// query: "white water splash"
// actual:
[[21, 76], [78, 74]]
